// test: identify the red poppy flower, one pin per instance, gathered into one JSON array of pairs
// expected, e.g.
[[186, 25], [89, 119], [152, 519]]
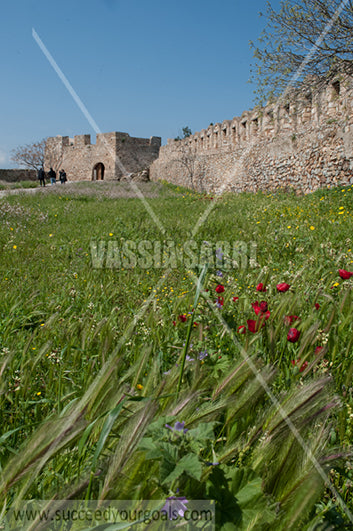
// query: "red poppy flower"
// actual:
[[261, 287], [289, 319], [317, 305], [241, 329], [219, 288], [345, 274], [318, 350], [304, 366], [293, 335], [263, 306], [282, 287], [297, 362], [235, 299], [252, 325], [174, 323], [256, 307], [182, 318], [261, 309]]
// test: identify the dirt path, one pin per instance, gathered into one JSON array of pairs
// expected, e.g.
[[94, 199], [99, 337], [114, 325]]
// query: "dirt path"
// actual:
[[16, 191], [113, 190]]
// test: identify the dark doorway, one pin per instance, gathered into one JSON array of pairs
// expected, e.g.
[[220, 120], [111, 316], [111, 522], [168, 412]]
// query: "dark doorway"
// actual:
[[98, 172]]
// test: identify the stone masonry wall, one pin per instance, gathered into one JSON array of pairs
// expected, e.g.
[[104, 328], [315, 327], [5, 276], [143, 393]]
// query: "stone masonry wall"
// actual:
[[119, 153], [303, 141], [17, 175]]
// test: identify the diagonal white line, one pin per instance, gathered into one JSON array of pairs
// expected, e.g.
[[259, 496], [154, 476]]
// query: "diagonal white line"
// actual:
[[94, 126], [66, 82], [283, 414], [244, 355], [203, 218], [315, 46], [295, 77], [276, 403]]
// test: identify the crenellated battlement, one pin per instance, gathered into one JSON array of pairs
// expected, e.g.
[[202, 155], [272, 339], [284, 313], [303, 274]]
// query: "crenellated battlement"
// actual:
[[297, 112], [283, 131], [112, 155]]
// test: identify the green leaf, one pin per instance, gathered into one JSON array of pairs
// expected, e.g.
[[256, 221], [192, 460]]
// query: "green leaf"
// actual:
[[147, 443], [86, 434], [9, 433], [203, 432], [108, 424], [246, 486], [199, 286], [229, 527], [188, 464]]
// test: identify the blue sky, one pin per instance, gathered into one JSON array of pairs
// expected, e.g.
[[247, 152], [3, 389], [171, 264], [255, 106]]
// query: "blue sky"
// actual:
[[145, 68]]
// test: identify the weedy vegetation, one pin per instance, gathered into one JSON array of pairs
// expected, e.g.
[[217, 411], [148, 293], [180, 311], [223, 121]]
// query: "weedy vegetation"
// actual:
[[229, 381]]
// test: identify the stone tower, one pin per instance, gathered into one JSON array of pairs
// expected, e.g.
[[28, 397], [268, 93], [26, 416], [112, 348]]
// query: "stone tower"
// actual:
[[112, 156]]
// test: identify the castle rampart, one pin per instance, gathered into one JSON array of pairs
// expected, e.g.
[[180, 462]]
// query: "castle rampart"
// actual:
[[303, 140], [113, 155]]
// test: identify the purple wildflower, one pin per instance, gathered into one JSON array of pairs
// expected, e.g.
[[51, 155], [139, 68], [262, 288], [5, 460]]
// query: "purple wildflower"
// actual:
[[202, 355], [219, 254], [178, 427], [175, 507], [219, 273]]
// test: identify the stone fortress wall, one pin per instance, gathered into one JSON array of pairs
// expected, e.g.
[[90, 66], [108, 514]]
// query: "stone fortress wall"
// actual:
[[84, 161], [17, 175], [303, 141]]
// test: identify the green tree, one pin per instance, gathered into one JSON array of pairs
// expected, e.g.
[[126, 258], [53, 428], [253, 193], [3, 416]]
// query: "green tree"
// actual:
[[303, 40], [186, 132]]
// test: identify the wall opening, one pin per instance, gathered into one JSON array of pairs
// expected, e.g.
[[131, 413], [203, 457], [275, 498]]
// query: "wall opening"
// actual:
[[336, 85], [255, 125], [309, 98], [98, 172], [243, 132]]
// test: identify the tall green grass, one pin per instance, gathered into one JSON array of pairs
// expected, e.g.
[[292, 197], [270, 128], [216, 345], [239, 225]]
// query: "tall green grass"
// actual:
[[95, 362]]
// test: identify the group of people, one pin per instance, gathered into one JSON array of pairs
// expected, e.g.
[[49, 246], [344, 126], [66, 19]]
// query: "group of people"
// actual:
[[51, 175]]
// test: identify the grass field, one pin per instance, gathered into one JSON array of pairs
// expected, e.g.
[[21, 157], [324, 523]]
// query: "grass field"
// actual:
[[108, 334], [18, 185]]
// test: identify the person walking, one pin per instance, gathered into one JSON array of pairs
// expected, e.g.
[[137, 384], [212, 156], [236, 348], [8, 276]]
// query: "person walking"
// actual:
[[41, 176], [62, 176], [52, 176]]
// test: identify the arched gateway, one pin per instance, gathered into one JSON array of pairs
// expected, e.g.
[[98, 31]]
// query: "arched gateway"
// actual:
[[98, 172]]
